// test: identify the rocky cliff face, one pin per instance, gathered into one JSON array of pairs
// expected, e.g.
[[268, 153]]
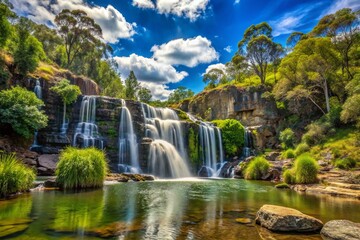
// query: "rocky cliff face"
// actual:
[[245, 105]]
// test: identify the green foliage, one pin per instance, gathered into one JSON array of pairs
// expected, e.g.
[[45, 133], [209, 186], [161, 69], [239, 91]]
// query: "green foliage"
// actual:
[[29, 50], [180, 94], [144, 95], [306, 169], [131, 86], [193, 146], [232, 135], [81, 168], [301, 148], [20, 109], [289, 176], [316, 132], [346, 163], [289, 153], [5, 26], [257, 168], [287, 138], [67, 91], [214, 77], [282, 185], [351, 108], [14, 175]]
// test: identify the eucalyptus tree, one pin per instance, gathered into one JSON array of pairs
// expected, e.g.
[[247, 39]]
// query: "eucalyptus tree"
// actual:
[[132, 86], [144, 95], [214, 77]]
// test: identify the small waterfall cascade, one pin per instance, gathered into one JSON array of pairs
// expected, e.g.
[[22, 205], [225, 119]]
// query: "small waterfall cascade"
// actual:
[[38, 93], [167, 156], [128, 146], [248, 143], [212, 153], [86, 132]]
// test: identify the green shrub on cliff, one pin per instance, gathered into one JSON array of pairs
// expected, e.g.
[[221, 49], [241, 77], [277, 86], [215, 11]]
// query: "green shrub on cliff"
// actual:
[[19, 108], [304, 171], [287, 138], [345, 163], [81, 168], [14, 175], [257, 168], [232, 135], [193, 147]]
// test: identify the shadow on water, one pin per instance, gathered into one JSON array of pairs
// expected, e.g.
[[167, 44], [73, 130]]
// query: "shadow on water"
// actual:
[[185, 209]]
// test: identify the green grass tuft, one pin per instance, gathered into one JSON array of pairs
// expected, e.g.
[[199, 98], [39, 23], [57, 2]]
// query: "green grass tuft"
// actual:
[[81, 168], [290, 153], [289, 176], [257, 168], [282, 185], [346, 163], [302, 148], [14, 175]]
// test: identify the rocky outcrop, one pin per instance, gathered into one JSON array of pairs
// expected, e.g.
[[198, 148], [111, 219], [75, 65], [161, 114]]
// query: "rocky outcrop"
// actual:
[[47, 164], [283, 219], [340, 230]]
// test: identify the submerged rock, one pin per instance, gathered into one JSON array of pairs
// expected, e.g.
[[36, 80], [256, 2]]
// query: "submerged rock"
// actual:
[[243, 220], [341, 229], [283, 219], [12, 226], [126, 177]]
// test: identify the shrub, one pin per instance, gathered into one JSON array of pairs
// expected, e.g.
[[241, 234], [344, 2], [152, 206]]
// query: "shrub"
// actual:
[[289, 176], [81, 168], [233, 135], [306, 169], [316, 132], [257, 168], [290, 153], [20, 109], [287, 138], [14, 175], [301, 148], [282, 185], [345, 163]]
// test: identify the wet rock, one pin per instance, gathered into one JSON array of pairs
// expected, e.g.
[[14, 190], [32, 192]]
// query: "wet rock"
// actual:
[[283, 219], [12, 226], [204, 172], [47, 164], [50, 183], [272, 156], [114, 229], [340, 229], [126, 177]]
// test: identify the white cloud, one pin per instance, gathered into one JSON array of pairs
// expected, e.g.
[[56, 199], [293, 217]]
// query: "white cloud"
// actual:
[[237, 2], [143, 3], [286, 24], [228, 49], [112, 22], [340, 4], [150, 73], [191, 9], [215, 66], [189, 52]]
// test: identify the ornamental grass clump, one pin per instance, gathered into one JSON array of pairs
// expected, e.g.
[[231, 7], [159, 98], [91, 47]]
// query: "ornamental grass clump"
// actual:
[[290, 153], [81, 168], [256, 168], [14, 175], [304, 171]]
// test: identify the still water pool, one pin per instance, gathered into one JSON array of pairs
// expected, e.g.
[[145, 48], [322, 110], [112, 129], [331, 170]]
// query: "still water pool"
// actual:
[[181, 209]]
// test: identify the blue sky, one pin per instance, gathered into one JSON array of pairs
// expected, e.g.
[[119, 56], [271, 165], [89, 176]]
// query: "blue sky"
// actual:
[[171, 43]]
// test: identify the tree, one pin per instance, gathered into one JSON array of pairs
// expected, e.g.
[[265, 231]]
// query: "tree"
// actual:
[[237, 68], [351, 107], [258, 48], [294, 38], [68, 93], [144, 95], [29, 50], [214, 77], [80, 32], [5, 26], [131, 86], [19, 108], [180, 94], [344, 29]]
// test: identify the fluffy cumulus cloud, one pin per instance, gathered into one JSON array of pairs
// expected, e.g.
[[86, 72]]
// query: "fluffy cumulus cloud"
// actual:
[[191, 9], [215, 66], [151, 74], [188, 52], [112, 22]]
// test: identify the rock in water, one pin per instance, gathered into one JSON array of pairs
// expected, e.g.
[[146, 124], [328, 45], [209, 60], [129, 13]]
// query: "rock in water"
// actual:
[[341, 229], [283, 219]]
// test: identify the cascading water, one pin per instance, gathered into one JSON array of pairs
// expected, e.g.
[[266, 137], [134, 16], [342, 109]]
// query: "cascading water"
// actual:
[[87, 130], [128, 146], [167, 157], [38, 93], [248, 143], [212, 149]]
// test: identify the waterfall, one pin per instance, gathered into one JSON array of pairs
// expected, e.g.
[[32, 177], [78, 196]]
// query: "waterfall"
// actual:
[[38, 93], [87, 130], [128, 146], [248, 143], [212, 154], [167, 151]]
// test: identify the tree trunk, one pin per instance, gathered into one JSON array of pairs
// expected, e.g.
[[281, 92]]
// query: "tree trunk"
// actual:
[[327, 99]]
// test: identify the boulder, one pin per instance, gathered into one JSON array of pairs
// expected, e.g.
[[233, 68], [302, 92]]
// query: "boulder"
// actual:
[[272, 156], [340, 229], [283, 219], [47, 164]]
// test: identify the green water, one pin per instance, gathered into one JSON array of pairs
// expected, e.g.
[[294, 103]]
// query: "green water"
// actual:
[[193, 209]]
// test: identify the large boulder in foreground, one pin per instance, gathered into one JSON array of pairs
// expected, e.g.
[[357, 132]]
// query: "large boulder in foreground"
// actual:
[[341, 229], [283, 219]]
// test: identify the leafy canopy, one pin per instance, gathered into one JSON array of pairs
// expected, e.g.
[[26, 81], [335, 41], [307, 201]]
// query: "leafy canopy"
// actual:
[[67, 91], [20, 109], [131, 86]]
